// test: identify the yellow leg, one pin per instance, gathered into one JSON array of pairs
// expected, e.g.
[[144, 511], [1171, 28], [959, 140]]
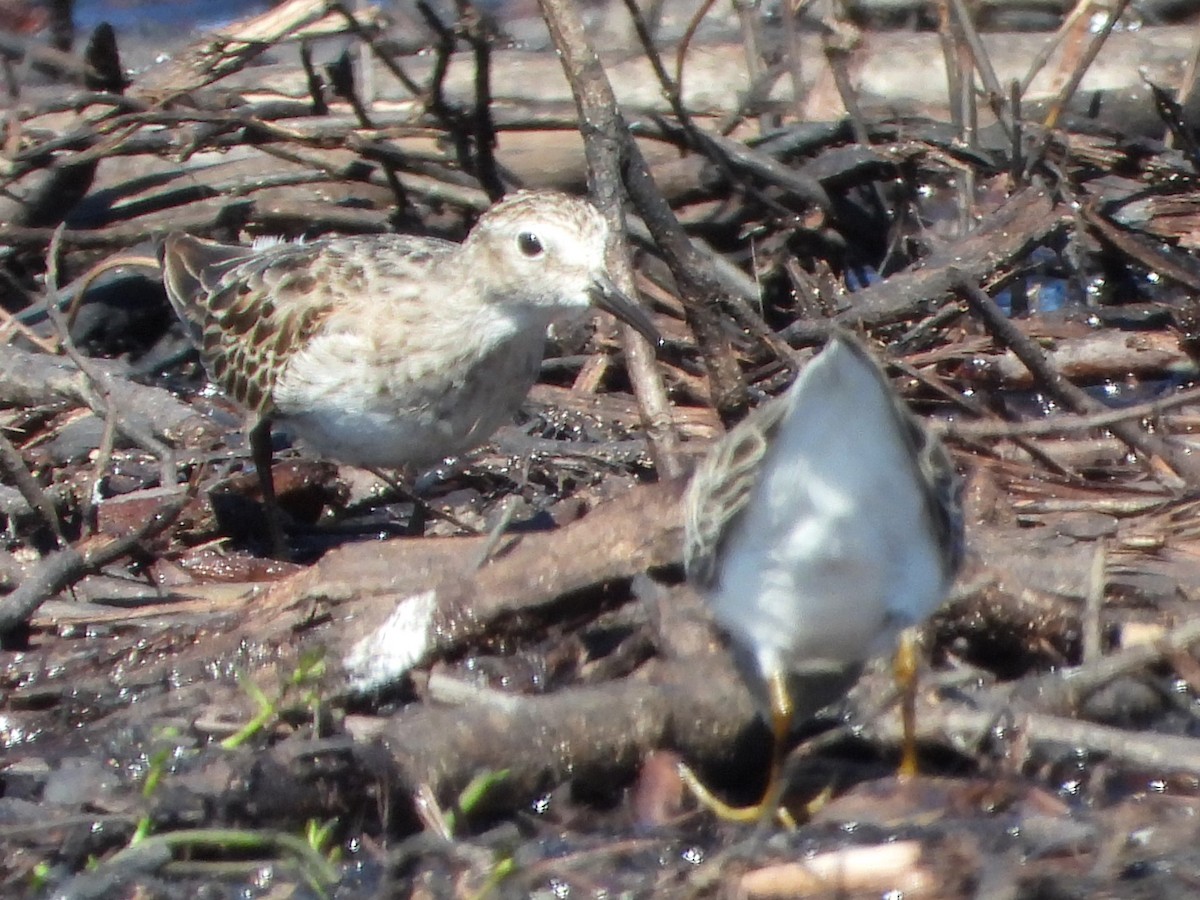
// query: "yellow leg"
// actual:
[[769, 807], [781, 724], [904, 668]]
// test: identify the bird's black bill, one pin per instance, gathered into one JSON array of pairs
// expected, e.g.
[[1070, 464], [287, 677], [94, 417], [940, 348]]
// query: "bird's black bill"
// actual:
[[606, 296]]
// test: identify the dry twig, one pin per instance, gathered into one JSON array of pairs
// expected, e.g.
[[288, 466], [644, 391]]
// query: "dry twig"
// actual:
[[609, 150]]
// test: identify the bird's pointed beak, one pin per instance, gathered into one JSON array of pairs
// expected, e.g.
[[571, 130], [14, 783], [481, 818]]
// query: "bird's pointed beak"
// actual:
[[609, 298]]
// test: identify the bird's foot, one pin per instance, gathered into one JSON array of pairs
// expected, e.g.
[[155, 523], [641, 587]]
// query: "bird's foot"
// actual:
[[766, 810]]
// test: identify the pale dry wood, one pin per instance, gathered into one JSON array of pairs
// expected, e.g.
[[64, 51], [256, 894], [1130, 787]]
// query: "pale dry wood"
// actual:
[[572, 733], [359, 586], [218, 598], [353, 588], [234, 46], [716, 78], [878, 869], [30, 379]]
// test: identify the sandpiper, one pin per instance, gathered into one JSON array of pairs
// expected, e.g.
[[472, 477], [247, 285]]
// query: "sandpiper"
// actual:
[[819, 528], [392, 351]]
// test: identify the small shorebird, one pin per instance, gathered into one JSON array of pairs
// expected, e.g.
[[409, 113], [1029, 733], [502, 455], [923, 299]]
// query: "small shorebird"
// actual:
[[392, 351], [818, 529]]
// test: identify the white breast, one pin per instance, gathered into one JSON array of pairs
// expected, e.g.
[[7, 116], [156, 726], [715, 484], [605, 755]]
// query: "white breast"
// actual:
[[368, 400]]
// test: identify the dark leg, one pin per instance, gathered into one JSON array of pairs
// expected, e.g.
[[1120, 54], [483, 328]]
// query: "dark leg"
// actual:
[[260, 453], [511, 506]]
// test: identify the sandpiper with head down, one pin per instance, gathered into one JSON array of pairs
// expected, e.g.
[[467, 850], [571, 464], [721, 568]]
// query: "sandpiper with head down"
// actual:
[[392, 351], [818, 529]]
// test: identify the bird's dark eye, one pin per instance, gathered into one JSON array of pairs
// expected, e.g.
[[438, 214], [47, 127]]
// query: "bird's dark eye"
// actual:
[[529, 244]]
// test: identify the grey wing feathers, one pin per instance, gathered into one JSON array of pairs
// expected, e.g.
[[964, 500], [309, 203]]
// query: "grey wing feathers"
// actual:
[[935, 469], [721, 488], [725, 478]]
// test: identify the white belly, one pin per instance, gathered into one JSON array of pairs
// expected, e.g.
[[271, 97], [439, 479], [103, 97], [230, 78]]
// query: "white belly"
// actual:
[[405, 412], [832, 559]]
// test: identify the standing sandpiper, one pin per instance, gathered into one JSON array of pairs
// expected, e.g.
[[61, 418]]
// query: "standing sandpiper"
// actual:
[[392, 351], [818, 529]]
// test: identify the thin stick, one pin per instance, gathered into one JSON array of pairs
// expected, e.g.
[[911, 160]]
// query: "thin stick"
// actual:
[[99, 469], [954, 72], [837, 54], [1043, 55], [669, 87], [794, 53], [63, 568], [89, 277], [1066, 423], [1085, 62], [388, 62], [9, 322], [474, 28], [1093, 648], [1176, 468], [608, 147], [100, 398], [983, 64], [686, 41], [14, 466], [341, 80], [976, 408]]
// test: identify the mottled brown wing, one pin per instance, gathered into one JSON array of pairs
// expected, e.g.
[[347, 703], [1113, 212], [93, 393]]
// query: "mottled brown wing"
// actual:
[[721, 487], [249, 309], [188, 267]]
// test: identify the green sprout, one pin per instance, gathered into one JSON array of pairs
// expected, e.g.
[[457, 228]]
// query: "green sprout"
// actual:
[[469, 799], [305, 677], [167, 741], [319, 836], [39, 876]]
